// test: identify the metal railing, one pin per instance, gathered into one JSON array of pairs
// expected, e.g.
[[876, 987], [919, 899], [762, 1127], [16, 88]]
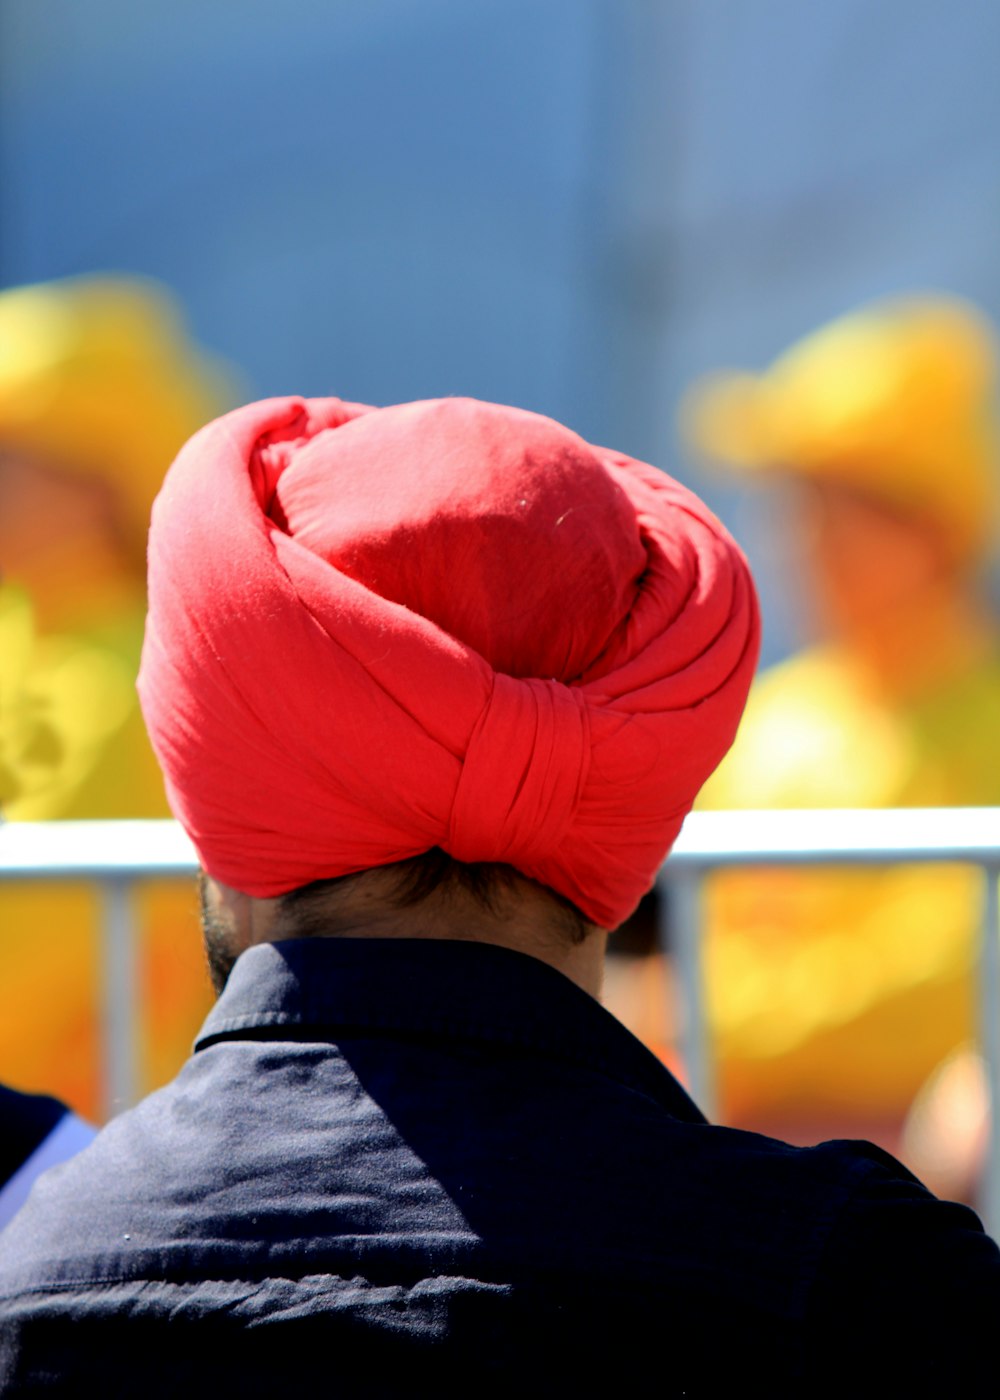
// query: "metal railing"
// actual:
[[119, 854]]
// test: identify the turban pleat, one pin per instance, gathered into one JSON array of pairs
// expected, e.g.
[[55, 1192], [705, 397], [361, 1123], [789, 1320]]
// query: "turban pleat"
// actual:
[[518, 810], [311, 724]]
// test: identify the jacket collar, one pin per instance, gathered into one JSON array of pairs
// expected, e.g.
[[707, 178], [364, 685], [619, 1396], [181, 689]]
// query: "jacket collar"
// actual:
[[324, 988]]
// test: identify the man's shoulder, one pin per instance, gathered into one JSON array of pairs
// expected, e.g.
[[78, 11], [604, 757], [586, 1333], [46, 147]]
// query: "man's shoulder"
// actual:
[[611, 1218], [593, 1174]]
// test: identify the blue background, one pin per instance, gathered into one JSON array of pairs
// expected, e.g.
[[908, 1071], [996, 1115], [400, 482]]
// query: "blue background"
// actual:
[[573, 205]]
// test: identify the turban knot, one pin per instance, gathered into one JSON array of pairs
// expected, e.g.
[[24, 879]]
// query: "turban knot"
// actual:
[[454, 624], [518, 814]]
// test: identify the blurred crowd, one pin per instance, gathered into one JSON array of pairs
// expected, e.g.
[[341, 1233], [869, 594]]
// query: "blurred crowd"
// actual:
[[841, 1001]]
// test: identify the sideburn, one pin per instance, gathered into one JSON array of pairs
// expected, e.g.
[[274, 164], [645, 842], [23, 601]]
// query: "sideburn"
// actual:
[[217, 941]]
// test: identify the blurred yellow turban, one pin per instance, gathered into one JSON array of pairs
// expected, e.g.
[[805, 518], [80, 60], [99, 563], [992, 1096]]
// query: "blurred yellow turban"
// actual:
[[97, 377], [894, 400]]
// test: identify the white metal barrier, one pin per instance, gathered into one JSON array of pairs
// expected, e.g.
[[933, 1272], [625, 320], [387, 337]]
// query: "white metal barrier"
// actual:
[[119, 854]]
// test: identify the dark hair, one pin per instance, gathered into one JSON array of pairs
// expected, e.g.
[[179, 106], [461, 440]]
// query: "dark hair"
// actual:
[[434, 872]]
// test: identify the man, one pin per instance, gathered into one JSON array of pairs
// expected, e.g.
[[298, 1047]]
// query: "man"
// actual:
[[433, 687]]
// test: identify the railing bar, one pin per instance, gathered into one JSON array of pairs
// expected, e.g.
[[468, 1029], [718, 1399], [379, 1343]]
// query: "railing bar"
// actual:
[[120, 1010], [120, 850], [989, 1013], [680, 918]]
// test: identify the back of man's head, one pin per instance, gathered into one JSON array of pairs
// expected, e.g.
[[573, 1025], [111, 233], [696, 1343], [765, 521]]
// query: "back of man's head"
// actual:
[[449, 626]]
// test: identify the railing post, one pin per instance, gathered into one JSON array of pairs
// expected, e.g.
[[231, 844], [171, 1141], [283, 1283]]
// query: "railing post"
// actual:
[[989, 1030], [120, 1009], [682, 917]]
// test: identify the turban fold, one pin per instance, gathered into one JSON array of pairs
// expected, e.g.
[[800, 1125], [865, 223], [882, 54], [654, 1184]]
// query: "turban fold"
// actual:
[[449, 623]]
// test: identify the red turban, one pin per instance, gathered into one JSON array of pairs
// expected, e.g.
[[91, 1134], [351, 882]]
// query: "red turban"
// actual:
[[454, 624]]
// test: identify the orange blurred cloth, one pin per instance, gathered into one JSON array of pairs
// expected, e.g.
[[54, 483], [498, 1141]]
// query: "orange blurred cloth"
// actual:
[[840, 990]]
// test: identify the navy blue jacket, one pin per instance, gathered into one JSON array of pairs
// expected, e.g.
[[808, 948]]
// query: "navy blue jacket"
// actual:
[[430, 1168]]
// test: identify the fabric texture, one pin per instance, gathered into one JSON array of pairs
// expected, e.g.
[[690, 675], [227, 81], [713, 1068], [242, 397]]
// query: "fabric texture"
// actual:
[[438, 1168], [450, 623]]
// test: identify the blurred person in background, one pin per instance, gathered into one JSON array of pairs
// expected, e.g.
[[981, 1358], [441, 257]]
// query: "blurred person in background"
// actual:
[[99, 386], [835, 994]]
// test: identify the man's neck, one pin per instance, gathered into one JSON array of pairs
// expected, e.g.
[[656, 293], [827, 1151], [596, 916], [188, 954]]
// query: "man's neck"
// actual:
[[525, 921]]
